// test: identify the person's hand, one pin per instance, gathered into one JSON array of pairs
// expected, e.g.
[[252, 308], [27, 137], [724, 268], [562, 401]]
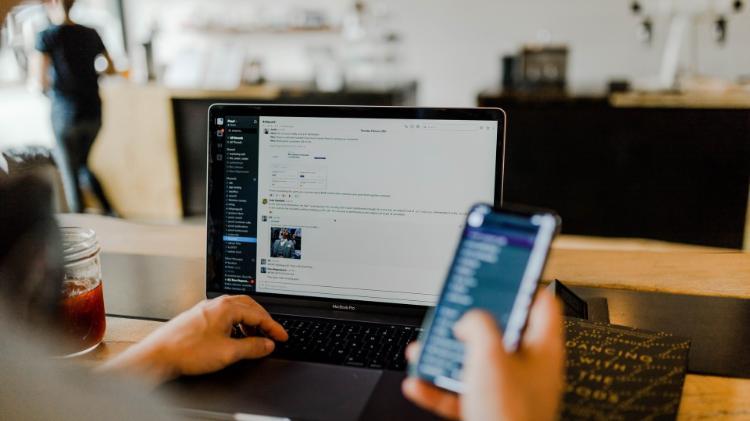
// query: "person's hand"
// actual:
[[521, 386], [198, 341]]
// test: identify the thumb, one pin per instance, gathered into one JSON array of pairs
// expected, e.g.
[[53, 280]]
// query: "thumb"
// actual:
[[485, 356], [252, 347], [545, 329], [480, 333]]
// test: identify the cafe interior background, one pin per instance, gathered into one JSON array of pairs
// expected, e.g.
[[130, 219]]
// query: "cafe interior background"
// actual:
[[630, 118]]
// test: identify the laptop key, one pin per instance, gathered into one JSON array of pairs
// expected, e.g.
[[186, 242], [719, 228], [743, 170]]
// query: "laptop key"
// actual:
[[348, 343], [355, 361]]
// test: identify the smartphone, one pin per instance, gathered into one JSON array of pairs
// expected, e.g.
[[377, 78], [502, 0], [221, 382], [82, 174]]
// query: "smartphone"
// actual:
[[496, 267]]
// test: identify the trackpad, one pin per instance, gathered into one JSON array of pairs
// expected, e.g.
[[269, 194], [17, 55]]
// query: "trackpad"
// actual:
[[279, 388]]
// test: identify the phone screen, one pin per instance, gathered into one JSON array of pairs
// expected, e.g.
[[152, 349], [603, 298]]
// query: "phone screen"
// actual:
[[497, 266]]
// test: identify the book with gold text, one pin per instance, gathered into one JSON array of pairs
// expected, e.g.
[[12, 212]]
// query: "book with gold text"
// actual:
[[622, 373]]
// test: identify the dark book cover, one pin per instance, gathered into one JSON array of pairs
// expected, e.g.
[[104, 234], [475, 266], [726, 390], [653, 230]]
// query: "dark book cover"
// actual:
[[622, 373]]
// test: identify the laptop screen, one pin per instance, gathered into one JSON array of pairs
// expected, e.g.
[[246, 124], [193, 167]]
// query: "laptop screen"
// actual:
[[344, 208]]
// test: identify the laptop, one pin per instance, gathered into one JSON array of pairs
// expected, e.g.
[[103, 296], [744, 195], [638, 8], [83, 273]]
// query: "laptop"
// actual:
[[341, 222]]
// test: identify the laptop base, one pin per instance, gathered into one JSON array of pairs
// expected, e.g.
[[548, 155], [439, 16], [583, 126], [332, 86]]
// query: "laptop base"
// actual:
[[296, 390]]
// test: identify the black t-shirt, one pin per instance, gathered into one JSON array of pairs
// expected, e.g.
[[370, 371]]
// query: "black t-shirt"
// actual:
[[73, 50]]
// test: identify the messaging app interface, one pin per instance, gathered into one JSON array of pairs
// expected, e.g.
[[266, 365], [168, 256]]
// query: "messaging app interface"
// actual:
[[349, 208], [489, 268]]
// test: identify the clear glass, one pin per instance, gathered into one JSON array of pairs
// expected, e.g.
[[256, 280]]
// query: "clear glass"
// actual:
[[82, 319]]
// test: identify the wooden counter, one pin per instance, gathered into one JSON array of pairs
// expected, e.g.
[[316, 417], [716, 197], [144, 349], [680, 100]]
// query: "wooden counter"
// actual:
[[702, 100], [135, 156], [633, 264], [736, 98]]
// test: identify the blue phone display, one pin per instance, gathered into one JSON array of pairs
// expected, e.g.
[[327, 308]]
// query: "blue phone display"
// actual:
[[497, 266]]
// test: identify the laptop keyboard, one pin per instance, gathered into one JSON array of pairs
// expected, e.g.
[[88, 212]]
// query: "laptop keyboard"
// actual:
[[345, 343]]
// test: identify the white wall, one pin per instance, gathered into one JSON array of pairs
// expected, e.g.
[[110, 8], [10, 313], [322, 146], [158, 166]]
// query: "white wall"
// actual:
[[453, 47]]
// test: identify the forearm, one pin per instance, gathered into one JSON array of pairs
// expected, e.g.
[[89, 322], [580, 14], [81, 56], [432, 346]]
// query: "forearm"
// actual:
[[39, 76], [145, 360], [198, 341], [110, 70], [44, 82]]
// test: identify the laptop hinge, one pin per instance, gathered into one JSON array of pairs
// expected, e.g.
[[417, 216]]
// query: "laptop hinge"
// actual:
[[369, 317]]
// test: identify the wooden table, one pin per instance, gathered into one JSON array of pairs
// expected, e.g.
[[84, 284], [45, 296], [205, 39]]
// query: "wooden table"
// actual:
[[629, 264]]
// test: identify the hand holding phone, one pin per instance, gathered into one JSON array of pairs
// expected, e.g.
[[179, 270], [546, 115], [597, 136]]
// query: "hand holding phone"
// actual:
[[522, 385], [497, 267]]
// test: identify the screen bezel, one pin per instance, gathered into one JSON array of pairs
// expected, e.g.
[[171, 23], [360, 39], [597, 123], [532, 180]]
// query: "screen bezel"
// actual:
[[548, 229], [215, 205]]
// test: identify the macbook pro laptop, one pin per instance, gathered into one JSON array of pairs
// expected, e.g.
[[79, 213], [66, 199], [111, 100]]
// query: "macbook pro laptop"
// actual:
[[341, 221]]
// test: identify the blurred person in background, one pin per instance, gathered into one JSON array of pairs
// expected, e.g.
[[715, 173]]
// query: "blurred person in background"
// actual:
[[65, 69]]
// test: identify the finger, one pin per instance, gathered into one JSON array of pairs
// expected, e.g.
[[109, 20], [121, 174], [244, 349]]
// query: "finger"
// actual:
[[260, 328], [245, 300], [545, 329], [412, 351], [251, 316], [424, 395], [479, 331], [251, 348]]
